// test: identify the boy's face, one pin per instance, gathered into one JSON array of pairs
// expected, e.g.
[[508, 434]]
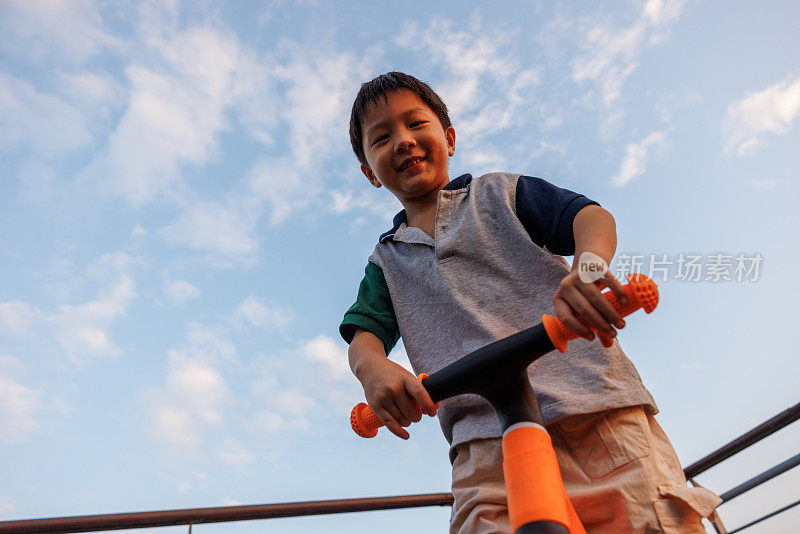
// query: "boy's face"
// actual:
[[406, 147]]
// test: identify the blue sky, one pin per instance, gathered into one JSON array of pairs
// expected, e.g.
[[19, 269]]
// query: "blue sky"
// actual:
[[184, 224]]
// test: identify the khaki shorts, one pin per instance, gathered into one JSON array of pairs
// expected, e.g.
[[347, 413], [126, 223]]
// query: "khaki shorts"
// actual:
[[620, 471]]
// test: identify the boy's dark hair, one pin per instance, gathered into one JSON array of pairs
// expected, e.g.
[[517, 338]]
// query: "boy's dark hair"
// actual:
[[379, 87]]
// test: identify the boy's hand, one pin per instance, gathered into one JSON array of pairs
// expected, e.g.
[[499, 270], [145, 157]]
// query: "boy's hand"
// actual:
[[396, 396], [574, 297]]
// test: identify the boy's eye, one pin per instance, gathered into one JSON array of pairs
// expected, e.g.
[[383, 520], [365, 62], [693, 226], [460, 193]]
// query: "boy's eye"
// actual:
[[379, 139], [415, 123]]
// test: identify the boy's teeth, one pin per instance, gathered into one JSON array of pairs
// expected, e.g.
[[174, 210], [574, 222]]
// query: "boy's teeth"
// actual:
[[410, 163]]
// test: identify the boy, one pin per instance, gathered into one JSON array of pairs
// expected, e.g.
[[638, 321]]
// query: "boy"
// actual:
[[470, 261]]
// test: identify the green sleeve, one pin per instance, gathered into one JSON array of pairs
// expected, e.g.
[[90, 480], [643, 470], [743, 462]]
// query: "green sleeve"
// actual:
[[372, 311]]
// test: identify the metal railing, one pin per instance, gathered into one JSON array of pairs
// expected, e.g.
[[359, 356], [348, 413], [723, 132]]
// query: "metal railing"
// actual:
[[767, 428], [194, 516]]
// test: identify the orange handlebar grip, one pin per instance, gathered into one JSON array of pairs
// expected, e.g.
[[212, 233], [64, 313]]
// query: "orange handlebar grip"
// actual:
[[641, 292], [365, 422], [533, 480]]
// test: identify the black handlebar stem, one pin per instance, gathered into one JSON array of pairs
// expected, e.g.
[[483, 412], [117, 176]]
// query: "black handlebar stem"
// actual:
[[498, 373]]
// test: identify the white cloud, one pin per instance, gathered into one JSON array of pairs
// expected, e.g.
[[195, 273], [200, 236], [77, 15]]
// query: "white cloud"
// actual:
[[138, 233], [37, 122], [183, 95], [165, 125], [189, 411], [198, 385], [313, 109], [466, 56], [343, 201], [611, 54], [175, 427], [38, 179], [233, 453], [285, 410], [69, 31], [330, 354], [481, 81], [770, 111], [636, 156], [258, 314], [207, 345], [180, 291], [94, 93], [182, 89], [609, 59], [191, 402], [659, 12], [365, 201], [299, 388], [82, 329], [189, 83], [285, 402], [225, 229], [271, 422], [19, 405], [322, 83], [16, 317], [671, 103], [282, 186]]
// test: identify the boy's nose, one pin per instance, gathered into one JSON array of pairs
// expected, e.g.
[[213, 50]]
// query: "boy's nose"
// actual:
[[404, 143]]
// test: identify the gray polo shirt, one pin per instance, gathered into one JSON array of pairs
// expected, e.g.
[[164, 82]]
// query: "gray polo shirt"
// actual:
[[489, 271]]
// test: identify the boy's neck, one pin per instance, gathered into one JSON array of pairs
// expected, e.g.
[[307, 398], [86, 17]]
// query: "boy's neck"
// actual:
[[421, 212]]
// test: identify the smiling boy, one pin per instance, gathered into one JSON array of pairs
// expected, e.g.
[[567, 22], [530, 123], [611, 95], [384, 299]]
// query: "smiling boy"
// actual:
[[416, 172], [470, 261]]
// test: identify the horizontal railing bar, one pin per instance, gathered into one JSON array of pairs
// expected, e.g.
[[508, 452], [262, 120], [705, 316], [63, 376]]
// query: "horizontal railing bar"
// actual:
[[757, 480], [758, 433], [164, 518], [760, 519]]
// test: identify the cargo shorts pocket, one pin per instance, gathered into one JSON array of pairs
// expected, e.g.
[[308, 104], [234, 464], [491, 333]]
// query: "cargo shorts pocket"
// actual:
[[606, 441], [680, 508]]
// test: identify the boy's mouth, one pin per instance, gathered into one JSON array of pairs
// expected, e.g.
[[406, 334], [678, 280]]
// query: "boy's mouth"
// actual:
[[409, 163]]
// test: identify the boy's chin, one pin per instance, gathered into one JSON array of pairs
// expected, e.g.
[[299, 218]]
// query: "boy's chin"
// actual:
[[421, 192]]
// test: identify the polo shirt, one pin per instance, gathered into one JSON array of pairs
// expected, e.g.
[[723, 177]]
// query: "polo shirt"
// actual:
[[489, 271]]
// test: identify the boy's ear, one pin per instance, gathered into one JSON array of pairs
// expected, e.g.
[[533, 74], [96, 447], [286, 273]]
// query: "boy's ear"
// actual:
[[450, 136], [370, 176]]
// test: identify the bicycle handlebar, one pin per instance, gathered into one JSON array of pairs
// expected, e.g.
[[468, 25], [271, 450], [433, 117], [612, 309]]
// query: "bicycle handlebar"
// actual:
[[640, 291]]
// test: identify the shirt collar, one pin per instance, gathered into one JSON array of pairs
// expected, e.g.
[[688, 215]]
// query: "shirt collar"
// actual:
[[458, 183]]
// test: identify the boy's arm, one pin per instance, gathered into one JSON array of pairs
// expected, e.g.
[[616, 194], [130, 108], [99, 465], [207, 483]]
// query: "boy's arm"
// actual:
[[394, 394], [373, 310], [370, 327], [595, 231]]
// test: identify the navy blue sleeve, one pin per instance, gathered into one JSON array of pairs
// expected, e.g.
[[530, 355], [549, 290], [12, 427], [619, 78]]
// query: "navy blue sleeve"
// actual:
[[547, 212]]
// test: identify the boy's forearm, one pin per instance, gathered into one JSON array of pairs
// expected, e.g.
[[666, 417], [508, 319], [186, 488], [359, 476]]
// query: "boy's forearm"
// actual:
[[595, 231], [364, 349]]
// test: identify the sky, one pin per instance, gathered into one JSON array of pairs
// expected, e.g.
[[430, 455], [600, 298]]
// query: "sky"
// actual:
[[183, 225]]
